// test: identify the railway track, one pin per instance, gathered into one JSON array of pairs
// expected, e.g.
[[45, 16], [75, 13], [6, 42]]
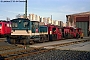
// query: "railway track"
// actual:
[[10, 47], [2, 39], [66, 44], [22, 53], [13, 52]]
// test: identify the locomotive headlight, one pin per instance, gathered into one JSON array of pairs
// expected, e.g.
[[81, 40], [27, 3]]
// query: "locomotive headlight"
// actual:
[[11, 31], [50, 32]]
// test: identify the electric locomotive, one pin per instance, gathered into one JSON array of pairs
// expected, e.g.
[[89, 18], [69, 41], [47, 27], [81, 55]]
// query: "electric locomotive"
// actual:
[[5, 28]]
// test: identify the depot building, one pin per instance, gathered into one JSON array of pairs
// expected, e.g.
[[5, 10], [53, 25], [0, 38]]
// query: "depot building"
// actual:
[[80, 20]]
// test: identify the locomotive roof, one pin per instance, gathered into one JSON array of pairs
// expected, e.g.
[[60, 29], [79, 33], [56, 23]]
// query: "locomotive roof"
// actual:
[[4, 21], [78, 28], [43, 26], [22, 19], [19, 19], [68, 27]]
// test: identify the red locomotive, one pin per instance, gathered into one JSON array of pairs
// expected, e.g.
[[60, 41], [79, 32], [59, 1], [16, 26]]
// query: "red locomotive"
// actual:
[[57, 33], [5, 28], [70, 32], [54, 32]]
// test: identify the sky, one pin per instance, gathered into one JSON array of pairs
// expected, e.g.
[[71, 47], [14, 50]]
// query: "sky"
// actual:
[[44, 8]]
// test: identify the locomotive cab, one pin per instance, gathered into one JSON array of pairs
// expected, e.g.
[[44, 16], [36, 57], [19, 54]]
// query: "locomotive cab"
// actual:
[[54, 32], [79, 32], [67, 32], [20, 31], [25, 31]]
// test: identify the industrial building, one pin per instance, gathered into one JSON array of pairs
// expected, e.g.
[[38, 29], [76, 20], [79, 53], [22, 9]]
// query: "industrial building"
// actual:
[[81, 20]]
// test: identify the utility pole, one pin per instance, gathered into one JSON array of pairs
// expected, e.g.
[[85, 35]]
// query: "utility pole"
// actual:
[[26, 9]]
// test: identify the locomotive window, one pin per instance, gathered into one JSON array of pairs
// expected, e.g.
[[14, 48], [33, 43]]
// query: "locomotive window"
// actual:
[[14, 24], [0, 24], [71, 30], [74, 30], [54, 29], [35, 25], [5, 24], [26, 24], [9, 25]]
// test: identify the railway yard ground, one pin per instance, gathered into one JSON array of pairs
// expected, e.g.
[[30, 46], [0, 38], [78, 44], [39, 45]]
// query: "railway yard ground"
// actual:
[[68, 49]]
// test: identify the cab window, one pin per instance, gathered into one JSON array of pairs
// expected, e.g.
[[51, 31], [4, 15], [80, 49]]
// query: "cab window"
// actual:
[[35, 25], [71, 30], [8, 25], [26, 23], [5, 24], [14, 24], [0, 25]]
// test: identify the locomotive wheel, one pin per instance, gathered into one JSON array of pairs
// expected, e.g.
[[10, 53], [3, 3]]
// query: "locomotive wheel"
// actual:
[[32, 42], [12, 41], [42, 39], [8, 39], [45, 38], [26, 41]]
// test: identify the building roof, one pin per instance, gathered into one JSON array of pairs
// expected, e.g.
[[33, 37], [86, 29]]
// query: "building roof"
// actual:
[[83, 13]]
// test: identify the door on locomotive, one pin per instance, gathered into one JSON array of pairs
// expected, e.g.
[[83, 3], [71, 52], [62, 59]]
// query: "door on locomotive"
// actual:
[[68, 32], [72, 32], [35, 36], [54, 33], [59, 33], [65, 32]]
